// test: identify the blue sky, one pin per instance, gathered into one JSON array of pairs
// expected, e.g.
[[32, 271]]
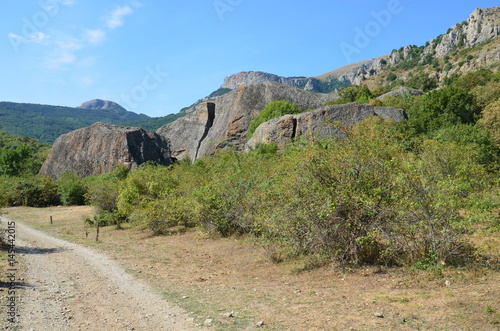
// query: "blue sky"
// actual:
[[156, 57]]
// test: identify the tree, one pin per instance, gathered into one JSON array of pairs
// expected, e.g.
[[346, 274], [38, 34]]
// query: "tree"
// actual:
[[71, 189], [447, 106]]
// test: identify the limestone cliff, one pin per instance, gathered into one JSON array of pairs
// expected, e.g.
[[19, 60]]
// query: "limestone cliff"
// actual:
[[318, 123], [101, 147], [255, 77], [482, 27]]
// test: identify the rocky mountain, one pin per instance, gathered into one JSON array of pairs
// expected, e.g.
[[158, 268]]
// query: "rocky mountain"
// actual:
[[101, 104], [224, 121], [318, 123], [101, 147], [480, 30], [467, 46]]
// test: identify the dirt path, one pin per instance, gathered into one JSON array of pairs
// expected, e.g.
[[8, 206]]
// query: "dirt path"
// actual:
[[65, 286]]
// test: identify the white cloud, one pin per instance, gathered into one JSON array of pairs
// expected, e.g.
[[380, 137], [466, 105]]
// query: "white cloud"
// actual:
[[115, 20], [65, 48], [37, 37], [64, 53], [94, 36]]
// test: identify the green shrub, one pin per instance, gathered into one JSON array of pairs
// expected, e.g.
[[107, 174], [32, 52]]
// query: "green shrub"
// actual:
[[441, 108], [71, 189], [391, 77]]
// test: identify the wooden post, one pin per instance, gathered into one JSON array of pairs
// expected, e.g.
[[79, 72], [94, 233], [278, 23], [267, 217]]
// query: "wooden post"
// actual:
[[50, 219], [97, 232]]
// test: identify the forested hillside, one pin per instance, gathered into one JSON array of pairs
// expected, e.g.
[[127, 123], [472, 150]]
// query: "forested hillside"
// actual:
[[46, 123]]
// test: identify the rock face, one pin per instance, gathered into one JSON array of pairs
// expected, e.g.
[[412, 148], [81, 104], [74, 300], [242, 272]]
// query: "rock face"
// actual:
[[319, 123], [482, 26], [101, 147], [255, 77], [224, 122]]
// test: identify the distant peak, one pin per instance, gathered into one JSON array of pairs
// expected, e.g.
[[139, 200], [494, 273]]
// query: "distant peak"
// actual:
[[100, 104]]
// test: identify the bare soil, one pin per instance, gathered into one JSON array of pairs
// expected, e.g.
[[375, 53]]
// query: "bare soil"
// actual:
[[230, 284]]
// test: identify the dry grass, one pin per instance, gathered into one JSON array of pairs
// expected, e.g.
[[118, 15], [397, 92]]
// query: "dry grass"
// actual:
[[209, 277]]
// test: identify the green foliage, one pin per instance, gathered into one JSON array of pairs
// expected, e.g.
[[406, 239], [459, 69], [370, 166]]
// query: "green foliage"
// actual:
[[32, 191], [391, 77], [360, 94], [473, 79], [422, 82], [491, 119], [102, 191], [153, 124], [272, 110], [46, 123], [107, 218], [328, 86], [471, 136], [447, 106], [21, 156], [71, 189]]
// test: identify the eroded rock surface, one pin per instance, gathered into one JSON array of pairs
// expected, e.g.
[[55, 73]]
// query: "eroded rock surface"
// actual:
[[322, 122], [224, 122], [101, 147]]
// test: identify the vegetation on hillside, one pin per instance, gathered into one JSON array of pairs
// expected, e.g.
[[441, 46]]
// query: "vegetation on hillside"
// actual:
[[153, 124], [407, 193], [46, 123]]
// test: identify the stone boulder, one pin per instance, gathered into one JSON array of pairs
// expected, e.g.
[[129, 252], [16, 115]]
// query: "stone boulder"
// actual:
[[101, 147], [224, 121], [322, 122]]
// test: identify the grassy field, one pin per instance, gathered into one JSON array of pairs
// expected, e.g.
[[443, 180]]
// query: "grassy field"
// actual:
[[233, 283]]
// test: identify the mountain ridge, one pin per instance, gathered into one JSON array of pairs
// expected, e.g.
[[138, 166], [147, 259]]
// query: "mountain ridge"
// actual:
[[481, 27]]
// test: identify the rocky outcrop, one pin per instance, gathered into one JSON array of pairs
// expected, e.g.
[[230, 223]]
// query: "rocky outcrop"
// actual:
[[322, 122], [101, 147], [224, 121], [255, 77], [482, 26]]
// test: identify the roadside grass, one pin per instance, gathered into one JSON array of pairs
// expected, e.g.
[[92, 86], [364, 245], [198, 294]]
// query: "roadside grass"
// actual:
[[209, 277]]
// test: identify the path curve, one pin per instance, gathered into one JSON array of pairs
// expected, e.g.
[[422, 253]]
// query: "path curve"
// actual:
[[66, 286]]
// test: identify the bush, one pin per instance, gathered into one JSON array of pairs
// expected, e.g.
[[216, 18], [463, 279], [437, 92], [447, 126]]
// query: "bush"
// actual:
[[71, 189], [391, 77], [365, 200], [441, 108]]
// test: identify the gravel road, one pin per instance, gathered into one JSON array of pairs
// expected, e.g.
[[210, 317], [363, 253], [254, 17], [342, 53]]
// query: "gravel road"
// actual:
[[64, 286]]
